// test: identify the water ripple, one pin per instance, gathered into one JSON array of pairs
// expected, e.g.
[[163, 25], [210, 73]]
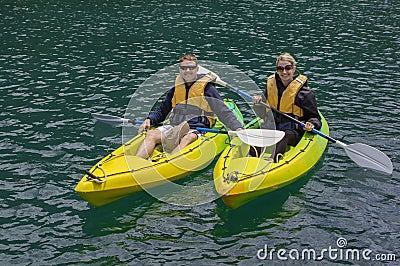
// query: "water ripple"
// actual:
[[60, 61]]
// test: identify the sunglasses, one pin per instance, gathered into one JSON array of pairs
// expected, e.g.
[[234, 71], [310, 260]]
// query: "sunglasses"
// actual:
[[187, 67], [287, 68]]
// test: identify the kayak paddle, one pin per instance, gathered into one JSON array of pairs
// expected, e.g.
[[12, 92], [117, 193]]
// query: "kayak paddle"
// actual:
[[253, 137], [362, 154], [115, 119]]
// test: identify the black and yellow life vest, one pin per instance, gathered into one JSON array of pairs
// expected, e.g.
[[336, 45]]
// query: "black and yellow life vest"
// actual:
[[187, 104], [286, 103]]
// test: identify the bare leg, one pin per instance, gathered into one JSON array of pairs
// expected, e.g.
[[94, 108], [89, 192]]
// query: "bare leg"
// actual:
[[186, 140], [153, 137]]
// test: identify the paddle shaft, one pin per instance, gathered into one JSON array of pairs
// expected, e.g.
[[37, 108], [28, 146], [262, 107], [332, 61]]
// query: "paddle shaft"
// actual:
[[244, 94], [363, 155], [212, 130]]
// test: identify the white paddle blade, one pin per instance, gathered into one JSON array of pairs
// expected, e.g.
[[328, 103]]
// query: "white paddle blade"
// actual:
[[205, 71], [369, 157], [260, 137], [110, 119]]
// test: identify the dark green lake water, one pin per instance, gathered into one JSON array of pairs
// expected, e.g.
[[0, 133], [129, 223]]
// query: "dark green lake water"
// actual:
[[62, 60]]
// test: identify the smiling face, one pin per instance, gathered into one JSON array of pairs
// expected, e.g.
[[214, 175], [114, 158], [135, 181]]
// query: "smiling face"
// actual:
[[188, 70], [285, 70]]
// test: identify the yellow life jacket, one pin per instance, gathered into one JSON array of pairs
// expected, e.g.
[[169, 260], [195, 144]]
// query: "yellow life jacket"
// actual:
[[286, 103], [195, 96]]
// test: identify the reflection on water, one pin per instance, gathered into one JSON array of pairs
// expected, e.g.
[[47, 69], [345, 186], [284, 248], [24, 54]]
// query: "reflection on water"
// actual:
[[62, 60]]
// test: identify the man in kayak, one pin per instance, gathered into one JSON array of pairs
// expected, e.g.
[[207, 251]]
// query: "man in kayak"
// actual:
[[193, 99], [289, 94]]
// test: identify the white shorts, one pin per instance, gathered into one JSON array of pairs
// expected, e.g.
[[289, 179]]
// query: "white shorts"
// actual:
[[165, 128]]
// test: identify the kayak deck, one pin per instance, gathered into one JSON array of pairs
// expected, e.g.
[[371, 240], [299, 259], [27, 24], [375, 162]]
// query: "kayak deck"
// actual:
[[121, 173], [239, 179]]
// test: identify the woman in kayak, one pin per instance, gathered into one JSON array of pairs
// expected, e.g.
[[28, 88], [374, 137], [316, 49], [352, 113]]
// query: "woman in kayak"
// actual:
[[289, 94], [193, 99]]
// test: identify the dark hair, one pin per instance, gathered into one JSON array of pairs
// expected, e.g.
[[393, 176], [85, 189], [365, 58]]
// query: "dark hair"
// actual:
[[188, 57]]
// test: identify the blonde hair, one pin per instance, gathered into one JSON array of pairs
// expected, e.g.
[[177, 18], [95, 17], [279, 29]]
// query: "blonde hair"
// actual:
[[286, 57]]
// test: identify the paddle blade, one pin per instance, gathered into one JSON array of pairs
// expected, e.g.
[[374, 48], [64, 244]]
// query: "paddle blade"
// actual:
[[369, 157], [205, 71], [110, 119], [260, 137]]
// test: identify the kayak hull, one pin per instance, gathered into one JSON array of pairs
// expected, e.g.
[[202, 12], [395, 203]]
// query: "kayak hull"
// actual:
[[239, 179], [121, 173]]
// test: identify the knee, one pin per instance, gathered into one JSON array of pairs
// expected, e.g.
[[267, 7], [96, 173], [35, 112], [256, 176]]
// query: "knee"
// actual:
[[188, 138], [153, 135]]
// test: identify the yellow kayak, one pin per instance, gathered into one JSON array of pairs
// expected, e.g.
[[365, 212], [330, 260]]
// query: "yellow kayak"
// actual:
[[239, 179], [121, 173]]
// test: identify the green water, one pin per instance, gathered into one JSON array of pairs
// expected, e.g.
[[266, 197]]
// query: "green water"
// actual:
[[62, 60]]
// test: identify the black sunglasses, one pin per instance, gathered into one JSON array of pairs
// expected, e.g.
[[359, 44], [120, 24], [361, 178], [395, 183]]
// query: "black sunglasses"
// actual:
[[187, 67], [287, 68]]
